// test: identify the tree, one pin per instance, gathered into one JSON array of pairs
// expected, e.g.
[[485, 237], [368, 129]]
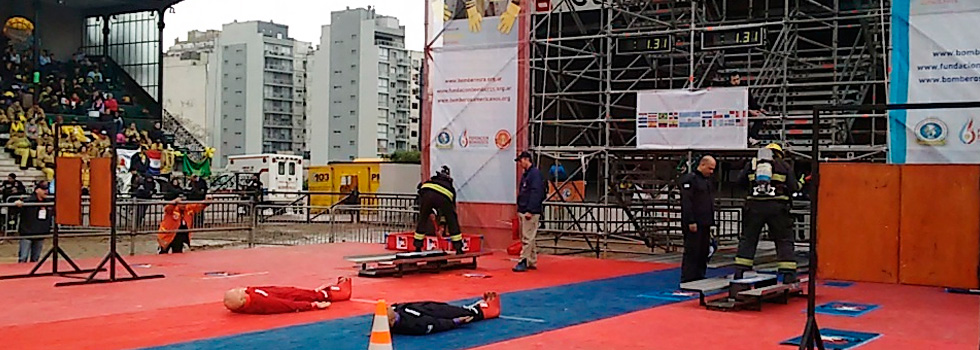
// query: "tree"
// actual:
[[405, 157]]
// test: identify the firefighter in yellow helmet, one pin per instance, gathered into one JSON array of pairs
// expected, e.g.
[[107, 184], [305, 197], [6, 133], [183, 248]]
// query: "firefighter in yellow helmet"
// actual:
[[771, 183]]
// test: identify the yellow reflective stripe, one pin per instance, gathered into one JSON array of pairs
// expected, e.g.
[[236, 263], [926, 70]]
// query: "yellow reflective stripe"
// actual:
[[779, 177], [743, 261], [419, 236], [785, 198], [751, 177], [786, 265], [458, 237], [439, 189]]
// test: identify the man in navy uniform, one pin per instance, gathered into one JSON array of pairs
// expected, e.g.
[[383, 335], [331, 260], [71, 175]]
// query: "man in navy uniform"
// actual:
[[697, 217], [530, 205]]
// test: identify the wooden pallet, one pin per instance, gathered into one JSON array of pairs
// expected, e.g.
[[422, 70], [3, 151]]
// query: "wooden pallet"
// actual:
[[401, 264]]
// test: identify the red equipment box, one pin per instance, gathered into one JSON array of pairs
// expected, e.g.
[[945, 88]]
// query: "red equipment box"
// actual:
[[402, 241], [471, 243]]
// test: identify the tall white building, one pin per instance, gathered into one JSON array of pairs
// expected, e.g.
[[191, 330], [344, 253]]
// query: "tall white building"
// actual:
[[258, 91], [415, 101], [361, 88], [186, 94]]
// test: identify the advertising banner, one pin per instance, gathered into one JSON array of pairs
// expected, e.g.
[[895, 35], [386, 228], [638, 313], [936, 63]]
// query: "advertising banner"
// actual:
[[474, 107], [934, 59], [473, 79], [699, 119]]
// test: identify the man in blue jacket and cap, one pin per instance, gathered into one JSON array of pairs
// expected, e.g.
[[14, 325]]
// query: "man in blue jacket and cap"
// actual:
[[530, 205]]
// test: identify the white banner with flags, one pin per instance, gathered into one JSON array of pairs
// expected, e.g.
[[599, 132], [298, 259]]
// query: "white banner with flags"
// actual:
[[934, 59], [698, 119], [474, 109]]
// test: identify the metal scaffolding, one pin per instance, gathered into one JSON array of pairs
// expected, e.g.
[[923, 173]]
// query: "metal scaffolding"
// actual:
[[587, 64]]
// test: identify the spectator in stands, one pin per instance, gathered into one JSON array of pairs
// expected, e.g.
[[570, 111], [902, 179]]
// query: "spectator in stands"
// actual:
[[198, 192], [172, 190], [156, 134], [142, 188], [95, 75], [45, 160], [20, 146], [139, 164], [111, 105], [35, 220]]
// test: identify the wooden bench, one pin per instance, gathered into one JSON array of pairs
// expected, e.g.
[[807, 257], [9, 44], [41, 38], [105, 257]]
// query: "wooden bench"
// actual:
[[400, 264], [707, 285], [779, 291]]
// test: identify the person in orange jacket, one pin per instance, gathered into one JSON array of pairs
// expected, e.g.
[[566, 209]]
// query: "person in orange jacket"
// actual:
[[178, 220]]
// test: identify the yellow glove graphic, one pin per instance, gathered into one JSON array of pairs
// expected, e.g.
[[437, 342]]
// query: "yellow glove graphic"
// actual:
[[473, 16], [507, 19]]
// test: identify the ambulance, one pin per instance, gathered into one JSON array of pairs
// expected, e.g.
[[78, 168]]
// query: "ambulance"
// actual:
[[281, 174]]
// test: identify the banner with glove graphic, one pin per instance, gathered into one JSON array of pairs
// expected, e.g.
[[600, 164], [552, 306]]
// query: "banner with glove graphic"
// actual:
[[457, 23]]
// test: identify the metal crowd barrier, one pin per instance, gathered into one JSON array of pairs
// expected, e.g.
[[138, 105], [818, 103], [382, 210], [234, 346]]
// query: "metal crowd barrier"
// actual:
[[228, 220]]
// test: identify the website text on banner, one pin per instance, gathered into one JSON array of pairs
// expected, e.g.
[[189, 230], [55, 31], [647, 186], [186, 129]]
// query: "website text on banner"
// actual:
[[935, 59], [474, 104], [684, 119]]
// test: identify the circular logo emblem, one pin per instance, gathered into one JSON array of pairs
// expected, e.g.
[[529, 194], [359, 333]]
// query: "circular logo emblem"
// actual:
[[968, 134], [444, 139], [502, 139], [566, 193], [464, 139], [931, 131]]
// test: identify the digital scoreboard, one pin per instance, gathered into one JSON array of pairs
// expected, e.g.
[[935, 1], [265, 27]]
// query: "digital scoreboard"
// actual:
[[733, 38], [645, 44]]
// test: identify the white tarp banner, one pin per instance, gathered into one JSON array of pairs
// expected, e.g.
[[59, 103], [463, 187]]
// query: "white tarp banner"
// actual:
[[474, 109], [935, 59], [700, 119]]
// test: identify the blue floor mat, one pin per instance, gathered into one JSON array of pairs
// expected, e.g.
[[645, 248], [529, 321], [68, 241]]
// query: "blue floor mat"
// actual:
[[533, 311]]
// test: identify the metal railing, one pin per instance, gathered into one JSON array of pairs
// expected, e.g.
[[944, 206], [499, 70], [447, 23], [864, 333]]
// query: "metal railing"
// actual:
[[229, 220]]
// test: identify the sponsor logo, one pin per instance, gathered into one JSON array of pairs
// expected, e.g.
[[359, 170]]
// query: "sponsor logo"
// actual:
[[931, 131], [465, 140], [444, 139], [969, 133], [503, 139]]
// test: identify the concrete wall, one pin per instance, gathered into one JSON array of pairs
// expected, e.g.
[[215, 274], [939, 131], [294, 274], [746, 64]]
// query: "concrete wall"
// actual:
[[60, 28], [400, 178], [185, 93]]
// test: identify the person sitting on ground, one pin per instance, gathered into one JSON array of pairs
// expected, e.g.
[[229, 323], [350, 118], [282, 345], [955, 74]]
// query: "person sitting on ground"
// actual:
[[277, 300], [427, 317]]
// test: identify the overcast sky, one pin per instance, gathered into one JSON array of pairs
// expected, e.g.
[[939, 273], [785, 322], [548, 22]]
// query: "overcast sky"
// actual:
[[304, 17]]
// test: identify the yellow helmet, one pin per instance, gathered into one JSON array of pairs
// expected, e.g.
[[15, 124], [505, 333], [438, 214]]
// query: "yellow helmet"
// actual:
[[775, 146]]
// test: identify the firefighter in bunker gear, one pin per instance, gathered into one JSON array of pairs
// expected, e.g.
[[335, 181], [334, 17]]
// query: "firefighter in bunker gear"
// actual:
[[438, 194], [771, 183]]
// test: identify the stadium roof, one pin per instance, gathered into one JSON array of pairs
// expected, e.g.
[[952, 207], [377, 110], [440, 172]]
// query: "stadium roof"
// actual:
[[103, 7]]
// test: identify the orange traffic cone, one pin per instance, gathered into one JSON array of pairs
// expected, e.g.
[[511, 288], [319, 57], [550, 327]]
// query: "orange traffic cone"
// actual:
[[380, 334]]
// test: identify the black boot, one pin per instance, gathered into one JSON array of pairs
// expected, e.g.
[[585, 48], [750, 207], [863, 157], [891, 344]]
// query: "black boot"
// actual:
[[418, 245], [789, 277], [740, 271], [458, 246]]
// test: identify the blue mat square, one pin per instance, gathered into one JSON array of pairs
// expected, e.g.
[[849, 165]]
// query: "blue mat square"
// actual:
[[838, 284], [841, 308], [839, 339]]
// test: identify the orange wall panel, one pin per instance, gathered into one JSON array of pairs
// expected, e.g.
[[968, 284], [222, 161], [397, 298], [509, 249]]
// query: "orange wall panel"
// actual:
[[68, 191], [100, 195], [940, 230], [858, 222]]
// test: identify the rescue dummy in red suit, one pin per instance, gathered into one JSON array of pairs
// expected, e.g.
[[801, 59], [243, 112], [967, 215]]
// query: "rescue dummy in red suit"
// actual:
[[178, 220], [276, 300]]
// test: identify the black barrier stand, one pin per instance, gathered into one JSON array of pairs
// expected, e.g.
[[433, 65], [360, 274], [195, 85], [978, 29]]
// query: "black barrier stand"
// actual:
[[113, 257], [811, 332], [55, 250]]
